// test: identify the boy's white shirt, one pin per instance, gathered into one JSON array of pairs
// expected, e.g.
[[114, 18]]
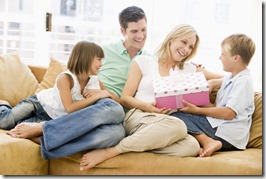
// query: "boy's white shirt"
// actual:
[[236, 93]]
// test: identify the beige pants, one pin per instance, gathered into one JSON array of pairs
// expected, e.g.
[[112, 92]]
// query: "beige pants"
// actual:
[[158, 133]]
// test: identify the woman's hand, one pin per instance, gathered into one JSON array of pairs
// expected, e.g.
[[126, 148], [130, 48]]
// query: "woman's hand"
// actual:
[[214, 84], [151, 107]]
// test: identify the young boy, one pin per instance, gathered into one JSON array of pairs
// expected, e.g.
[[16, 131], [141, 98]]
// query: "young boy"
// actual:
[[226, 124]]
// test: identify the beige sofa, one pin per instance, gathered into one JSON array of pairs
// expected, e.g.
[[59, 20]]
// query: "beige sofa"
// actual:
[[22, 156]]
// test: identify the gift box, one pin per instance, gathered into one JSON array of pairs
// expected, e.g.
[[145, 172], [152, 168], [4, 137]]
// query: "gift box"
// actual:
[[170, 91]]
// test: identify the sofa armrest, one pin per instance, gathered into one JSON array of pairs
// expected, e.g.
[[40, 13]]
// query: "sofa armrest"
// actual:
[[38, 72]]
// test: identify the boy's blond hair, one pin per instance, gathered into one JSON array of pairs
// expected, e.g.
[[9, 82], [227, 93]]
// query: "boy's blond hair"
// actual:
[[239, 44]]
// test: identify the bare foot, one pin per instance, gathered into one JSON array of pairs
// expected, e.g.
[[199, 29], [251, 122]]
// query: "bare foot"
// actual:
[[11, 133], [210, 147], [90, 159], [26, 130], [37, 140], [4, 102]]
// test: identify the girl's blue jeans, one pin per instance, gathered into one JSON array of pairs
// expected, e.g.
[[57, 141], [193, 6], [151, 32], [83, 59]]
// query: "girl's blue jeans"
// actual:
[[27, 110], [96, 126]]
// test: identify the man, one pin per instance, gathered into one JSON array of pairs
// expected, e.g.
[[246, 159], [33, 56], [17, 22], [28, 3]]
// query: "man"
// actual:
[[119, 54]]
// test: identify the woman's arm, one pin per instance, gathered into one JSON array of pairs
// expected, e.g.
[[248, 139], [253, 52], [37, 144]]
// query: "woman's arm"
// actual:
[[209, 75], [127, 98]]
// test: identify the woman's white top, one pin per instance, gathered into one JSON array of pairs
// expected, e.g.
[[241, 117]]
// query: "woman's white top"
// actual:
[[149, 67]]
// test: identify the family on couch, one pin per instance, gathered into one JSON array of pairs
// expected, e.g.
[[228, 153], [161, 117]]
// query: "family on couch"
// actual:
[[146, 125]]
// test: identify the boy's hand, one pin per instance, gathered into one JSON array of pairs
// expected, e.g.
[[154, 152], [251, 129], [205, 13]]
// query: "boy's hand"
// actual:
[[190, 108]]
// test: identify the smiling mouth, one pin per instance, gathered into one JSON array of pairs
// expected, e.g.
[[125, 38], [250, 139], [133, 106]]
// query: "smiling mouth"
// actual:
[[182, 54]]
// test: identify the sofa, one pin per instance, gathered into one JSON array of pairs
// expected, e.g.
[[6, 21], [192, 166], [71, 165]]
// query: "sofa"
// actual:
[[22, 156]]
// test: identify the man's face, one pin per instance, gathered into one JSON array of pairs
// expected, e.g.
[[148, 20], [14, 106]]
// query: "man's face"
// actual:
[[135, 35]]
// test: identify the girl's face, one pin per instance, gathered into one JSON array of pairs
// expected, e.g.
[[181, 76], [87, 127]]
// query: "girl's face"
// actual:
[[227, 60], [135, 34], [182, 47], [96, 64]]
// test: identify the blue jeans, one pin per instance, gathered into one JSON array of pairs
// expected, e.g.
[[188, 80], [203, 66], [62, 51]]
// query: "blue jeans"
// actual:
[[198, 124], [27, 110], [97, 126]]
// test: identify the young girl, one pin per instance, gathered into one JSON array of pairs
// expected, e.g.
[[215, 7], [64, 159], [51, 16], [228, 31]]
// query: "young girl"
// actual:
[[75, 89], [67, 95]]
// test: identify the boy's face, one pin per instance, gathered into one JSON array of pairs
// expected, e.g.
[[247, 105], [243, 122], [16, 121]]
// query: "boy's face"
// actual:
[[227, 60], [135, 34]]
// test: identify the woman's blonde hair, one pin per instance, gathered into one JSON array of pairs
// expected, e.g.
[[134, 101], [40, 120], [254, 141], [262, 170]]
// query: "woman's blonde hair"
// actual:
[[82, 55], [163, 51]]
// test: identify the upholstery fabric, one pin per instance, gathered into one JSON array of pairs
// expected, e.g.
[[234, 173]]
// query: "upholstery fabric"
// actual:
[[20, 156], [248, 162], [255, 138], [16, 79], [54, 69]]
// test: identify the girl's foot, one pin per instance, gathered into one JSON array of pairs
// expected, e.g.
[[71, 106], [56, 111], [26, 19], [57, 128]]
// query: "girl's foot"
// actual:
[[26, 130], [4, 103]]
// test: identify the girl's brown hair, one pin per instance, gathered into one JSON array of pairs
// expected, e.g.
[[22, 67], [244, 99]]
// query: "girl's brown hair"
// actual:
[[82, 55]]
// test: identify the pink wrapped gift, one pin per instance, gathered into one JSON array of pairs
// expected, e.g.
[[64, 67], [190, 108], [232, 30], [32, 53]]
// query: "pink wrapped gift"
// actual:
[[171, 90]]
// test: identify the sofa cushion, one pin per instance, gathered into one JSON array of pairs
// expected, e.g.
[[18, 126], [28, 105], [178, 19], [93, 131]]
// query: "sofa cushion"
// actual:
[[248, 162], [20, 157], [54, 69], [16, 80], [255, 139]]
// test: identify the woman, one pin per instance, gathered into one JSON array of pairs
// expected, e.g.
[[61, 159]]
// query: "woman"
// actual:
[[148, 127]]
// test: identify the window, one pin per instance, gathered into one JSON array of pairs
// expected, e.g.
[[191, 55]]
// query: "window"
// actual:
[[22, 26]]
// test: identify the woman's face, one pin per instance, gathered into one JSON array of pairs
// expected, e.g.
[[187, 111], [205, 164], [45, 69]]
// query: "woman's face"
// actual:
[[182, 47]]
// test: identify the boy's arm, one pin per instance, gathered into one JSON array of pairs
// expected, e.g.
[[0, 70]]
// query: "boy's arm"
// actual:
[[216, 112]]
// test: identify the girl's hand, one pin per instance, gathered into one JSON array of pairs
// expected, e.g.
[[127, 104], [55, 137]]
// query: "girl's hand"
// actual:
[[104, 94], [90, 92], [190, 108]]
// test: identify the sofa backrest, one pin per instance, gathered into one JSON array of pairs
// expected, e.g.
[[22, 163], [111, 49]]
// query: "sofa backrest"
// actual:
[[255, 139], [46, 78]]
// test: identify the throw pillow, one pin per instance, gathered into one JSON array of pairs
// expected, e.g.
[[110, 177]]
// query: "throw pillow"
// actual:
[[255, 138], [16, 80], [54, 69]]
